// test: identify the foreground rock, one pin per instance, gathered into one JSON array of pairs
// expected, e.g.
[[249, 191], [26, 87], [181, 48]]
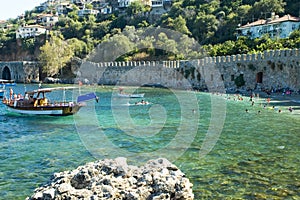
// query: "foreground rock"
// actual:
[[114, 179]]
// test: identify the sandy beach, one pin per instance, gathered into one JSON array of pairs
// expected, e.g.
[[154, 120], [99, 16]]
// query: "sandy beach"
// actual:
[[284, 102], [278, 102], [260, 101]]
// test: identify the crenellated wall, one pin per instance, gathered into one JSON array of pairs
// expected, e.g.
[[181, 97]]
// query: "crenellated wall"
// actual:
[[271, 69]]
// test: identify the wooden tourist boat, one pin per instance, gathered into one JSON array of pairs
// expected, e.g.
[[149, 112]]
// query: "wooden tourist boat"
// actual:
[[36, 103]]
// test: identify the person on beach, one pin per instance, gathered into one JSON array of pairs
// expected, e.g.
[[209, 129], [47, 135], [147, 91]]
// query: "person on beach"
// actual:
[[290, 109]]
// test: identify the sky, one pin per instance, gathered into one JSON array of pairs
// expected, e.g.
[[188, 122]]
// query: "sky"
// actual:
[[14, 8]]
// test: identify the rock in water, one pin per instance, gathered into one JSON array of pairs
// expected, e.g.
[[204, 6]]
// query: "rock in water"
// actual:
[[114, 179]]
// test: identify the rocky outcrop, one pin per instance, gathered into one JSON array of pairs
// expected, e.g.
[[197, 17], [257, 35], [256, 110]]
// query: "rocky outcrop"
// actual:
[[115, 179]]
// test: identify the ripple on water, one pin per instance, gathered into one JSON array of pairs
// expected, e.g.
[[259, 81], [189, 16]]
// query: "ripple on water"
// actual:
[[255, 157]]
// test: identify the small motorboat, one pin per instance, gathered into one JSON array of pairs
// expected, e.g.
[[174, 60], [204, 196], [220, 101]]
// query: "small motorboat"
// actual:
[[131, 95]]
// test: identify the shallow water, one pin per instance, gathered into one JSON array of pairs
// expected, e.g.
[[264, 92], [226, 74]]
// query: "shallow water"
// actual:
[[255, 156]]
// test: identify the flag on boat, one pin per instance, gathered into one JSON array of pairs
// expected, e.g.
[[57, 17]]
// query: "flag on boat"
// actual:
[[87, 97]]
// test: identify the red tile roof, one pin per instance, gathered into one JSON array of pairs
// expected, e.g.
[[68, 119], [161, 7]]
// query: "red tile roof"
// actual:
[[276, 20]]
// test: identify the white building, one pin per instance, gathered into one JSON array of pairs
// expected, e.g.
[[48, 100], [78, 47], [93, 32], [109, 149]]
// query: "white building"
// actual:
[[124, 3], [47, 20], [30, 31], [106, 9], [159, 7], [85, 12], [62, 8], [275, 26]]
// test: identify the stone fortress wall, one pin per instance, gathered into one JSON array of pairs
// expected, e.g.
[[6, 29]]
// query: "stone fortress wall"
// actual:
[[20, 71], [271, 69]]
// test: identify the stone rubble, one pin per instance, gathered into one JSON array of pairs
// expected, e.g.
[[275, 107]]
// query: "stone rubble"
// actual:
[[115, 179]]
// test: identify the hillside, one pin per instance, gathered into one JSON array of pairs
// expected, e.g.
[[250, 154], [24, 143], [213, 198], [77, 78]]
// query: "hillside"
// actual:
[[212, 24]]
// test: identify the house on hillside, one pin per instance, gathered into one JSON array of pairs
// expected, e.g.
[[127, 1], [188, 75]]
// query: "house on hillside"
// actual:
[[105, 9], [124, 3], [159, 7], [85, 12], [63, 8], [30, 31], [79, 3], [47, 20], [45, 5], [4, 25], [275, 26]]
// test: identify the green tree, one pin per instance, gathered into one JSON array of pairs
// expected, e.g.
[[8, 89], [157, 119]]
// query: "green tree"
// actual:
[[204, 26], [264, 8], [135, 8], [88, 6], [79, 47], [180, 25], [55, 54], [292, 7], [266, 43]]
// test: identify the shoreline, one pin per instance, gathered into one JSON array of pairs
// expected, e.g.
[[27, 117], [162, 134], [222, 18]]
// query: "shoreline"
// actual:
[[274, 101]]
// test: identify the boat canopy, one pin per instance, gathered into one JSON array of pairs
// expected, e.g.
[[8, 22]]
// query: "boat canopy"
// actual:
[[44, 90]]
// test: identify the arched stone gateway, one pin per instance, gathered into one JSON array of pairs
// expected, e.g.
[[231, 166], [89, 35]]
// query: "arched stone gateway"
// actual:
[[6, 73], [20, 71]]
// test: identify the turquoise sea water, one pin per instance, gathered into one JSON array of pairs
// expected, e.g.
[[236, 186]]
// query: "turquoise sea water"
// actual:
[[255, 156]]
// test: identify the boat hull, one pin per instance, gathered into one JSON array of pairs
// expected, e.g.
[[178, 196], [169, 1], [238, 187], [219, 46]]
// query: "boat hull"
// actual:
[[131, 95], [2, 93], [45, 110]]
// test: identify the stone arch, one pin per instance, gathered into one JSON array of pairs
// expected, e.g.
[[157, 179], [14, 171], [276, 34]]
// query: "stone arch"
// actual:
[[6, 73]]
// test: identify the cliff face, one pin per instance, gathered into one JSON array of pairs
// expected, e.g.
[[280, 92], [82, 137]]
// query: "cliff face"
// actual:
[[19, 51]]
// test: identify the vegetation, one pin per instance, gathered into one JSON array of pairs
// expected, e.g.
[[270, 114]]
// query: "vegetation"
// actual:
[[189, 24], [55, 54]]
